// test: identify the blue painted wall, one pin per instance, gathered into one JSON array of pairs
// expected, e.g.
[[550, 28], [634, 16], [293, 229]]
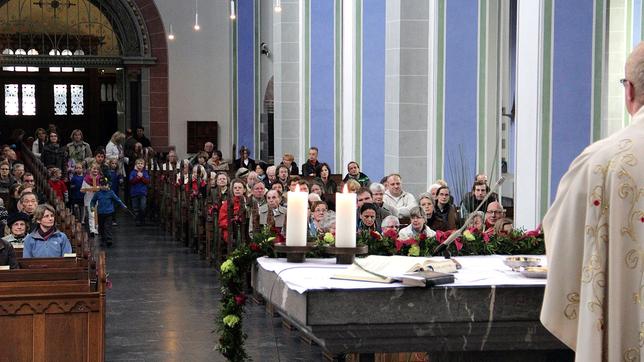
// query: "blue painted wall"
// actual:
[[246, 75], [373, 88], [322, 80], [461, 42], [572, 81], [637, 22]]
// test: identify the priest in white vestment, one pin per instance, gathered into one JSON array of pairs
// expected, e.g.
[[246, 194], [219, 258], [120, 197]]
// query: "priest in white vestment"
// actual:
[[594, 298]]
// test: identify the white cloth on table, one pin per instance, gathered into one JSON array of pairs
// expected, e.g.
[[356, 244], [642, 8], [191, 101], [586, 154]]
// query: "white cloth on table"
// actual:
[[594, 233], [477, 271]]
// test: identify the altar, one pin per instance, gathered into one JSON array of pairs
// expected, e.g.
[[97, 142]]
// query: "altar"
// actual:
[[489, 313]]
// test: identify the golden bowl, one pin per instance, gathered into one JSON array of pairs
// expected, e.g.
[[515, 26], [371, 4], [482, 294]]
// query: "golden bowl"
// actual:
[[518, 262]]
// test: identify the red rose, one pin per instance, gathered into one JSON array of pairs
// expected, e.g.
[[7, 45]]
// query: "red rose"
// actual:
[[487, 234], [596, 202], [254, 247], [280, 239], [422, 237], [391, 233], [376, 235], [240, 299], [458, 243]]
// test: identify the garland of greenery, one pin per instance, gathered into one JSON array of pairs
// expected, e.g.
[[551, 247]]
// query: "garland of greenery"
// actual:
[[235, 269]]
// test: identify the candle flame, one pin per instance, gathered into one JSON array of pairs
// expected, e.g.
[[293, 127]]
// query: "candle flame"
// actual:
[[345, 189], [297, 188]]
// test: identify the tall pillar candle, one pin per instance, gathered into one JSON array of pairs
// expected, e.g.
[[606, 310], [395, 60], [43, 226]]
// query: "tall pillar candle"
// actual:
[[297, 217], [345, 219]]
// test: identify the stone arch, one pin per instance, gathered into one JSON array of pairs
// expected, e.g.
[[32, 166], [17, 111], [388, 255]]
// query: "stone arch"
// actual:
[[142, 39]]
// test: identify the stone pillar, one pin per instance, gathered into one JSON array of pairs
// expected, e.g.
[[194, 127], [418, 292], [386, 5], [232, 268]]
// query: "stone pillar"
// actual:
[[288, 69], [533, 46]]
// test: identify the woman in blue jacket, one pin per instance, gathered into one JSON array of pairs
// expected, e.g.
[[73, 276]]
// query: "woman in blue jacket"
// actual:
[[46, 241]]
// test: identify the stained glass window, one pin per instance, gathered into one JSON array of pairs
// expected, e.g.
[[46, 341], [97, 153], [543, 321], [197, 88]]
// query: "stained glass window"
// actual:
[[21, 52], [77, 99], [60, 99], [79, 52], [54, 52], [32, 51], [28, 99], [11, 99], [7, 52]]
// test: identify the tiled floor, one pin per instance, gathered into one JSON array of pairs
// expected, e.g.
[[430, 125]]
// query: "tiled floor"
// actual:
[[164, 300]]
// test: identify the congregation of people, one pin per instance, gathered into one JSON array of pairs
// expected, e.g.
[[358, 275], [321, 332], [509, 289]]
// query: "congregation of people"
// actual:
[[90, 183], [86, 182]]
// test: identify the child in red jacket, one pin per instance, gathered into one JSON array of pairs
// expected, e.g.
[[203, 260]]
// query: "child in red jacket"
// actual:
[[57, 185]]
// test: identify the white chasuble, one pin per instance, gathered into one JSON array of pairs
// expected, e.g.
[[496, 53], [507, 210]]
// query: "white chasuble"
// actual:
[[594, 233]]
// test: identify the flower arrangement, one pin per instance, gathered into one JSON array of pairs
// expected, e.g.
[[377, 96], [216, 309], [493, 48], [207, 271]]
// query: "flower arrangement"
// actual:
[[235, 269]]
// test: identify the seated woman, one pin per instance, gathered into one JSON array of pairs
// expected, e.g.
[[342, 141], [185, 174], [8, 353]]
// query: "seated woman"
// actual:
[[445, 217], [272, 213], [426, 202], [390, 224], [418, 225], [17, 223], [367, 220], [217, 162], [323, 176], [46, 241], [318, 211], [477, 221], [354, 173], [8, 255], [236, 209]]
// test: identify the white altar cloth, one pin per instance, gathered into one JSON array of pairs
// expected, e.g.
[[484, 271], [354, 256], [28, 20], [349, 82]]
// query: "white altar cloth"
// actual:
[[488, 270]]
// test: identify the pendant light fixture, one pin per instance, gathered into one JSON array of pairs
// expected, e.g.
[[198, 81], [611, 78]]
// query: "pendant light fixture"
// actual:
[[171, 34], [196, 27], [232, 10]]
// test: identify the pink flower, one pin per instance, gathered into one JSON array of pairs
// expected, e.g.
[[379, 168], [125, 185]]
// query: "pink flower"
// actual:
[[458, 243], [391, 233], [240, 299]]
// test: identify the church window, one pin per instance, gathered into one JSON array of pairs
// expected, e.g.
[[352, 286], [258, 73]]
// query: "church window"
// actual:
[[11, 100], [77, 99], [20, 99], [20, 52], [60, 99], [32, 51], [7, 52]]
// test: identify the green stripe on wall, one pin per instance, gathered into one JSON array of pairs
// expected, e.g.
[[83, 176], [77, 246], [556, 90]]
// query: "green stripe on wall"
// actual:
[[358, 83], [440, 90], [598, 67], [482, 86], [258, 80], [307, 73], [233, 110], [546, 108], [338, 86]]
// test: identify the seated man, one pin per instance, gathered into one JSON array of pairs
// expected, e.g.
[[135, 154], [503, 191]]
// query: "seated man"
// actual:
[[390, 224], [8, 255], [46, 241], [473, 199], [309, 168], [377, 194], [396, 198], [493, 213], [354, 173], [271, 177]]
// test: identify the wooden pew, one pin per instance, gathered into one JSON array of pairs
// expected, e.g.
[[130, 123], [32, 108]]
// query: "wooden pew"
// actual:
[[55, 313]]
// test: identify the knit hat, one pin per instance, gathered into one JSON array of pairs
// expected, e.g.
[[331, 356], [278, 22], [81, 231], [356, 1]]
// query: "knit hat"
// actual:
[[241, 172], [17, 216]]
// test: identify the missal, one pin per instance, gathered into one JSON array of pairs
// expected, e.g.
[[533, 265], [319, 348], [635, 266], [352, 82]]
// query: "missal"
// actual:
[[417, 271]]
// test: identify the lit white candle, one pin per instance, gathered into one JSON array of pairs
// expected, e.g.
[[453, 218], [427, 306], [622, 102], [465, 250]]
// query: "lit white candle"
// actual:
[[296, 217], [345, 219]]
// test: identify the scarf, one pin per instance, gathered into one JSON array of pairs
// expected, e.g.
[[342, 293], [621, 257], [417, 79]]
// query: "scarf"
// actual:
[[46, 234]]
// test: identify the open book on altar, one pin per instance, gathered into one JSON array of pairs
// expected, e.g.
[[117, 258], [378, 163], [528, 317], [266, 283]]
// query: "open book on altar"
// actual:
[[410, 270]]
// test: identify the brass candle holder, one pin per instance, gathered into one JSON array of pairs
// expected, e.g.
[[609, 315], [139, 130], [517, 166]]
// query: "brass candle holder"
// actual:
[[294, 254], [346, 255]]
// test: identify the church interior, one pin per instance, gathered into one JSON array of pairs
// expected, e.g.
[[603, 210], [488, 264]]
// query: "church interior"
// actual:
[[193, 140]]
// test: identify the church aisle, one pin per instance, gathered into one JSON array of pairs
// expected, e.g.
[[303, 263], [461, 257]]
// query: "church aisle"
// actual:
[[164, 301]]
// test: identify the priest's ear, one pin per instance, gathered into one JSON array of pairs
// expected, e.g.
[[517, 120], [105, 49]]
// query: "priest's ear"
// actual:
[[630, 97]]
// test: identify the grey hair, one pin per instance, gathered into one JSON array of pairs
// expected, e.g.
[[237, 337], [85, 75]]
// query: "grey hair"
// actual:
[[425, 195], [377, 187], [388, 220], [328, 221]]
